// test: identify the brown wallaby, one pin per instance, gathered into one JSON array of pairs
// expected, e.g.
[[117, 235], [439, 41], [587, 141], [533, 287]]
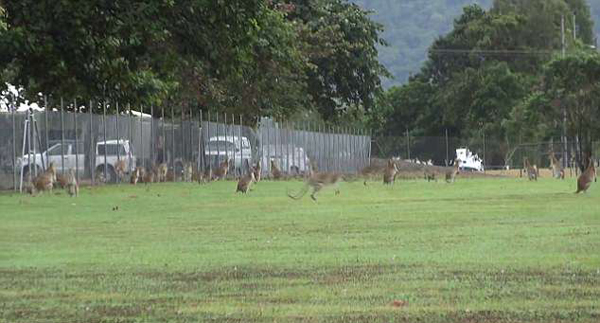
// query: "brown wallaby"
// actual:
[[532, 172], [135, 176], [163, 169], [451, 174], [221, 171], [120, 168], [245, 182], [72, 185], [429, 175], [586, 178], [389, 175], [558, 171], [318, 181], [275, 171], [257, 172]]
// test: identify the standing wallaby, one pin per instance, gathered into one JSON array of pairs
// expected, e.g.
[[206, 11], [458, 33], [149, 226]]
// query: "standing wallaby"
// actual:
[[120, 167], [221, 172], [135, 176], [558, 171], [72, 185], [43, 182], [587, 177], [318, 181], [245, 182], [389, 175], [532, 173], [257, 171], [275, 171], [451, 174], [62, 181]]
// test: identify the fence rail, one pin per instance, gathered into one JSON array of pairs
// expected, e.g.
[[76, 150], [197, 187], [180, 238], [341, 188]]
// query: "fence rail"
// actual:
[[92, 143]]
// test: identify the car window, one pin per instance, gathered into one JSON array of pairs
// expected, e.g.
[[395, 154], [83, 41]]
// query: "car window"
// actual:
[[56, 150], [79, 148], [111, 149], [221, 145]]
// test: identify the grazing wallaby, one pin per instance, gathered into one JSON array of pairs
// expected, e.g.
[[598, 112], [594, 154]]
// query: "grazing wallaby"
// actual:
[[72, 186], [275, 171], [135, 176], [586, 178], [532, 172], [451, 174], [221, 171], [257, 171], [149, 177], [429, 175], [389, 175], [120, 168], [245, 182], [558, 171], [318, 181]]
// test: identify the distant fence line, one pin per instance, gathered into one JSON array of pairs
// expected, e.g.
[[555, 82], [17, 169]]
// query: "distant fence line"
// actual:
[[494, 153], [93, 143]]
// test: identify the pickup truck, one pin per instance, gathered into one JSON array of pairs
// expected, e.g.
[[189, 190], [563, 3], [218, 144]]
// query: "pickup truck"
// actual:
[[74, 157]]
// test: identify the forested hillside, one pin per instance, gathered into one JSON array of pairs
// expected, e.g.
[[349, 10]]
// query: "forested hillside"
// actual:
[[411, 26]]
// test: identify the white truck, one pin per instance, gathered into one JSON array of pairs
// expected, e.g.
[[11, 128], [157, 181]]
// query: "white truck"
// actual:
[[74, 157], [468, 160]]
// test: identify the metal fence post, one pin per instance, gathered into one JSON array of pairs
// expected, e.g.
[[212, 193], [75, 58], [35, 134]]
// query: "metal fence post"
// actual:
[[104, 135], [62, 136], [76, 148], [447, 151], [142, 137], [46, 123], [243, 172], [14, 148], [92, 151], [173, 143]]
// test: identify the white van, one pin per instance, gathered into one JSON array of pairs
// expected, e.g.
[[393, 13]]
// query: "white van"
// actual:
[[236, 148]]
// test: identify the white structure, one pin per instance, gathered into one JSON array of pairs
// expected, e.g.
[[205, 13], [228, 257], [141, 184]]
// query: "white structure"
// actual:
[[468, 160]]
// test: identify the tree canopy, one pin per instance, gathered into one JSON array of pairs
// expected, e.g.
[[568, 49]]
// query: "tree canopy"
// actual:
[[253, 57]]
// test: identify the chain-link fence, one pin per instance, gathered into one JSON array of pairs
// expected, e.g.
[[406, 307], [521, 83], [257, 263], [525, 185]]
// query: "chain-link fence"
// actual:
[[480, 153], [94, 144]]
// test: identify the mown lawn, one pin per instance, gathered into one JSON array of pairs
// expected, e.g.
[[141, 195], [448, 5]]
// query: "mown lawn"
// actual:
[[485, 250]]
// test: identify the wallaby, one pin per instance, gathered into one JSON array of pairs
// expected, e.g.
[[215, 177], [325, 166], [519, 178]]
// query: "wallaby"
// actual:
[[188, 172], [532, 173], [72, 186], [429, 175], [318, 181], [43, 182], [257, 172], [221, 171], [62, 181], [135, 176], [162, 172], [275, 171], [389, 175], [245, 182], [586, 178], [451, 174], [149, 177], [558, 171], [120, 168]]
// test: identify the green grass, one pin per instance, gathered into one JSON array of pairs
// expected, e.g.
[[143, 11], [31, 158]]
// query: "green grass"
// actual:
[[486, 250]]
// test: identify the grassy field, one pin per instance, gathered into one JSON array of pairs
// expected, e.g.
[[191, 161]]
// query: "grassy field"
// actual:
[[479, 250]]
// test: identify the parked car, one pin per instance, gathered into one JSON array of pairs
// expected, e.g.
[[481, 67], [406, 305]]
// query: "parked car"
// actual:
[[74, 157], [218, 148], [289, 158]]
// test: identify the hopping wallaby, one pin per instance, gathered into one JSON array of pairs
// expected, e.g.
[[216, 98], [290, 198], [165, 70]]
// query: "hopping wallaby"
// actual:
[[318, 181], [532, 173], [389, 175], [587, 177], [221, 172], [275, 171], [451, 174], [72, 185]]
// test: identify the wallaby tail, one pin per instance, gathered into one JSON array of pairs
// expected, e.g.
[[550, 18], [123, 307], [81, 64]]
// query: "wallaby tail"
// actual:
[[300, 194]]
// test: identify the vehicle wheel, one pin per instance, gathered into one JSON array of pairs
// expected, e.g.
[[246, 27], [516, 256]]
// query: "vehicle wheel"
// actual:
[[111, 175]]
